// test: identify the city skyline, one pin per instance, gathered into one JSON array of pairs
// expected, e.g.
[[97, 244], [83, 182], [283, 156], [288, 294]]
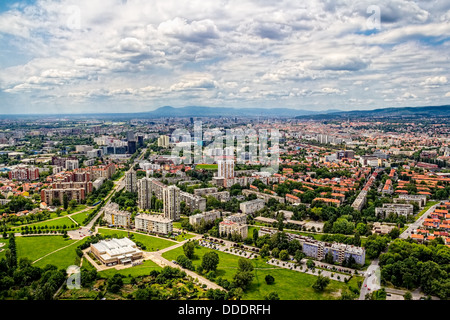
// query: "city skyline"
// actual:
[[134, 56]]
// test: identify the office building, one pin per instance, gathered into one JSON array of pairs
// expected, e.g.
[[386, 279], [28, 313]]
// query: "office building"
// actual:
[[131, 147]]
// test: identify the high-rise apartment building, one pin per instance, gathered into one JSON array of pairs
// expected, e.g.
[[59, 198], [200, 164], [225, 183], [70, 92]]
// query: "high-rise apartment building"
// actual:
[[226, 169], [163, 141], [144, 193], [171, 199], [131, 181]]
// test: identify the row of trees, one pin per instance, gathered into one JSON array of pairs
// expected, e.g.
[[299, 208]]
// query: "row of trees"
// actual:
[[410, 265]]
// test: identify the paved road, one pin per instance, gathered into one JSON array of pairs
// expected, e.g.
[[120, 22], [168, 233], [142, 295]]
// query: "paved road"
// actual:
[[371, 280], [418, 223]]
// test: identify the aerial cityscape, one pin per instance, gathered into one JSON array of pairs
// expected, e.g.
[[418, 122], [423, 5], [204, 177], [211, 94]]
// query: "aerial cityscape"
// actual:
[[207, 152]]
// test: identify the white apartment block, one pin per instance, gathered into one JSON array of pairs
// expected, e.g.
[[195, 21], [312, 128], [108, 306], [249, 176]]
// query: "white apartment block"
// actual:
[[250, 207], [192, 201], [153, 223], [234, 224], [116, 217], [71, 164], [396, 208], [206, 216]]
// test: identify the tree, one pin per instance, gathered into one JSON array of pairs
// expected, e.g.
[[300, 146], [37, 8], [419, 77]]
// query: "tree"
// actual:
[[272, 296], [394, 233], [407, 296], [244, 275], [275, 252], [321, 283], [329, 257], [265, 251], [255, 235], [269, 279], [284, 255], [188, 249], [299, 255], [65, 201], [293, 246], [184, 262], [310, 264], [210, 261]]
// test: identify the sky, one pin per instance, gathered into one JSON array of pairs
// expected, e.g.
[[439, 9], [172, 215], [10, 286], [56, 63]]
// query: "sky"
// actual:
[[89, 56]]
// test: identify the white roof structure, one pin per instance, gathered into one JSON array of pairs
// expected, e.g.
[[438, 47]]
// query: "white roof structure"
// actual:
[[116, 248]]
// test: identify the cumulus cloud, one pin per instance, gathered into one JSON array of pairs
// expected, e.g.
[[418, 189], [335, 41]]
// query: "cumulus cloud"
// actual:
[[235, 53], [194, 31], [435, 81]]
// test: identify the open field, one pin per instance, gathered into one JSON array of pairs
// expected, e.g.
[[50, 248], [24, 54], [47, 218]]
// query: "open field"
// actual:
[[35, 247], [152, 243], [207, 166], [290, 285], [79, 217], [62, 258], [139, 270]]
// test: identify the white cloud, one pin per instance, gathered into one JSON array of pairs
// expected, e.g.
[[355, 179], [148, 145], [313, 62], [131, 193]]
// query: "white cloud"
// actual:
[[435, 81], [232, 52]]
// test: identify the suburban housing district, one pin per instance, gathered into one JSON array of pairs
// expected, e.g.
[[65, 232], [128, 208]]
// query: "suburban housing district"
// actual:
[[355, 209]]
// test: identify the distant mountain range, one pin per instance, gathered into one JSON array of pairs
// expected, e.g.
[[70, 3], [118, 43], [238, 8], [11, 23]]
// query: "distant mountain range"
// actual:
[[197, 111], [431, 111]]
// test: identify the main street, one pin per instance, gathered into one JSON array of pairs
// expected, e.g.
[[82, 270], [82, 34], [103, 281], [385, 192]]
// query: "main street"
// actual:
[[118, 185], [372, 280], [416, 225]]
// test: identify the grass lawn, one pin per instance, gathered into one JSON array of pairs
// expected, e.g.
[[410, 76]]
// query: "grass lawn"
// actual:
[[177, 224], [62, 258], [207, 166], [250, 230], [34, 247], [427, 206], [79, 217], [152, 243], [139, 270], [185, 236], [290, 285], [54, 222], [64, 213]]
